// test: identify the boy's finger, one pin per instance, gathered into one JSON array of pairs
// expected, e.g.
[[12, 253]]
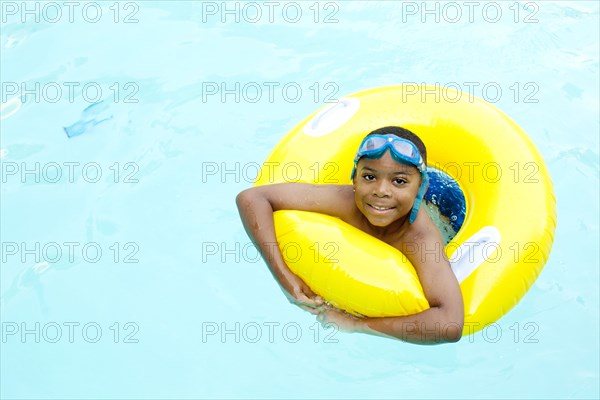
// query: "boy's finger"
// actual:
[[321, 318], [307, 301], [311, 310], [302, 300]]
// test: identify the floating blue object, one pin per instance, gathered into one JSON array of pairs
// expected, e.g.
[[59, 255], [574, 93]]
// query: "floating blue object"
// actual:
[[91, 116], [445, 193]]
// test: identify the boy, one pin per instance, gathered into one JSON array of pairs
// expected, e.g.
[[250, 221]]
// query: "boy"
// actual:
[[388, 183]]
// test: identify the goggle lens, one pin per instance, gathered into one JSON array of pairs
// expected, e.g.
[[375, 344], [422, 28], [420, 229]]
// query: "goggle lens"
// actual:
[[371, 144], [405, 149], [402, 147]]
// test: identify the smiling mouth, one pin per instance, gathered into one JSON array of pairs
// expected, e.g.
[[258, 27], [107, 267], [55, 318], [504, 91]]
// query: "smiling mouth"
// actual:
[[380, 209]]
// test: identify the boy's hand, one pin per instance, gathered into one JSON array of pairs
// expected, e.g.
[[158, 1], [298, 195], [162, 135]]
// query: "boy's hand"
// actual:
[[301, 295], [340, 320]]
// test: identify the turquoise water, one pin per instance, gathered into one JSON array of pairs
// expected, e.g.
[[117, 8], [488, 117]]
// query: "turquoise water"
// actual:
[[162, 296]]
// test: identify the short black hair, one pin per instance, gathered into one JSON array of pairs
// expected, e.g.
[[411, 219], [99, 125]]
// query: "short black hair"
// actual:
[[404, 134]]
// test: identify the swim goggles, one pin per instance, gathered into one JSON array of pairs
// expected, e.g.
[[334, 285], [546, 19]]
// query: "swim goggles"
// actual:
[[402, 150]]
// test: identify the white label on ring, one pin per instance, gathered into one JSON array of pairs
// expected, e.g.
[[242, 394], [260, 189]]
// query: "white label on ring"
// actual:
[[332, 117], [474, 251]]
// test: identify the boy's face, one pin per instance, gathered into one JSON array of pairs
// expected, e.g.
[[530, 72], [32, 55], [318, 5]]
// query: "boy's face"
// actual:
[[385, 189]]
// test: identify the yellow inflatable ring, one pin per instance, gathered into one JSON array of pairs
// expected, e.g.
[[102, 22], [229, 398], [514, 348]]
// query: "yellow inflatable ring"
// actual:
[[510, 219]]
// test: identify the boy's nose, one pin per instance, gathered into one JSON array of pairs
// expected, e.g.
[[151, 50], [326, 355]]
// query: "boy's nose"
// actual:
[[382, 189]]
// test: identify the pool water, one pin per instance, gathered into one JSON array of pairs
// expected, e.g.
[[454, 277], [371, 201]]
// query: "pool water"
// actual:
[[126, 134]]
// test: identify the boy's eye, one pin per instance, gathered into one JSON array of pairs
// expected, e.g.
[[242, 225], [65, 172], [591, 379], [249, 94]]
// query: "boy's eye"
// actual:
[[399, 181], [368, 177]]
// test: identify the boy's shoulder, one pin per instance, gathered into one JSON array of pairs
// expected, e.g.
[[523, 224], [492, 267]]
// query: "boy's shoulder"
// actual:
[[422, 232]]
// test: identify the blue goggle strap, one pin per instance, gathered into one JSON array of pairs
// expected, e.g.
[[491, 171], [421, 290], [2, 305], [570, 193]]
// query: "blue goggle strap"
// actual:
[[419, 198]]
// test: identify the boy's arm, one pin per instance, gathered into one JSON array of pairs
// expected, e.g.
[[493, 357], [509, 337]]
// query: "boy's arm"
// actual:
[[443, 321], [256, 206]]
